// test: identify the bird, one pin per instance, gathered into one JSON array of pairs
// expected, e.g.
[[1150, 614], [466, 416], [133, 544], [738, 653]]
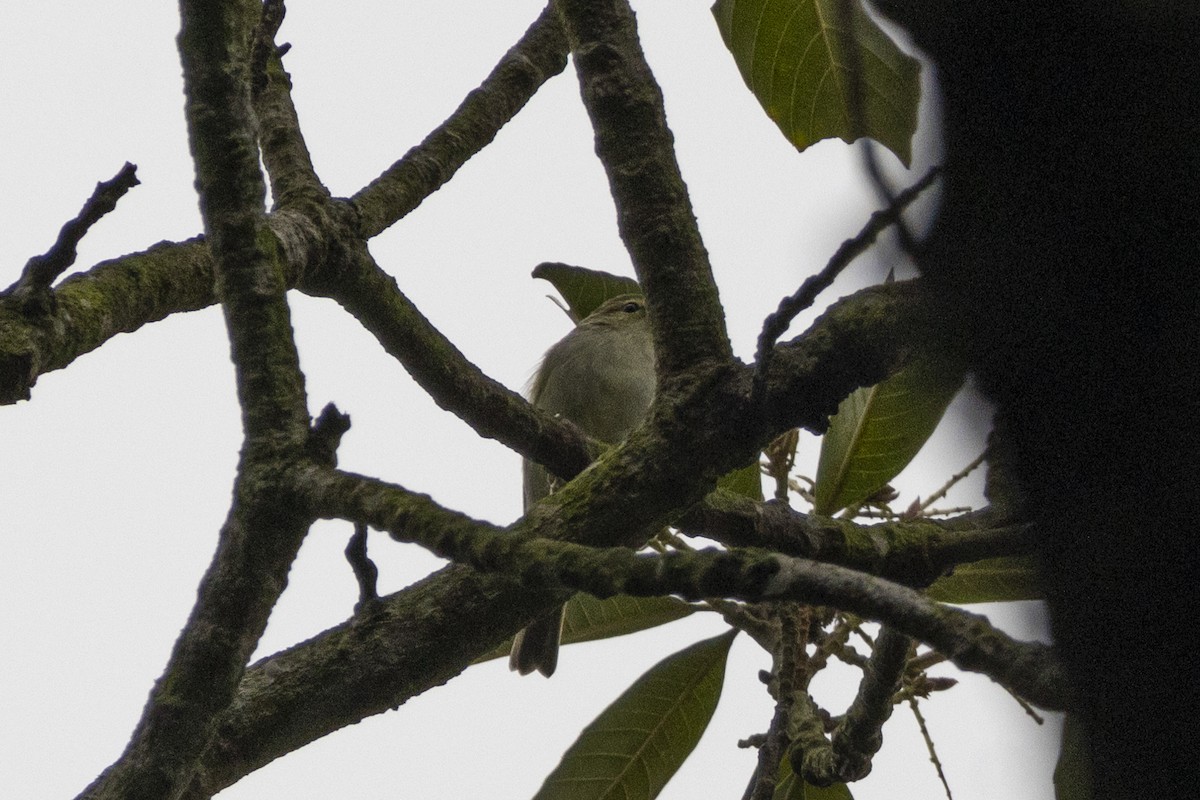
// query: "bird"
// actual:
[[600, 376]]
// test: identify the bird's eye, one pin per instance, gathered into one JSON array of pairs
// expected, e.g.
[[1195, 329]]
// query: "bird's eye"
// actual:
[[631, 307]]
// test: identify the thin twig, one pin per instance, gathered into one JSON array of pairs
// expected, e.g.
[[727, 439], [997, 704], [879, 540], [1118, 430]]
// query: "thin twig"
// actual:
[[955, 478], [1028, 709], [933, 756], [41, 271], [781, 457], [858, 117], [790, 676], [365, 571], [778, 322], [770, 751], [833, 643]]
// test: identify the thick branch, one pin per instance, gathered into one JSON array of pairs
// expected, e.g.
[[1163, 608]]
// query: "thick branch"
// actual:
[[399, 647], [294, 181], [372, 297], [122, 295], [914, 553], [538, 56], [701, 435], [654, 213], [92, 307], [248, 281], [264, 530], [850, 343], [968, 640], [426, 634], [1029, 669]]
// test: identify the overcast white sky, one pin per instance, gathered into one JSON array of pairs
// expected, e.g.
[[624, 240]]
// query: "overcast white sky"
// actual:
[[115, 478]]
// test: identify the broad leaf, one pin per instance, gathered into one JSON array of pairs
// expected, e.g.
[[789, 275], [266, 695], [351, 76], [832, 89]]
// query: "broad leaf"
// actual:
[[791, 787], [746, 481], [836, 791], [584, 289], [793, 55], [879, 429], [993, 580], [636, 744], [588, 618]]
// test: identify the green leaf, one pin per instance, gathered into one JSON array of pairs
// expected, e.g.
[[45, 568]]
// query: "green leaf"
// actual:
[[1073, 772], [589, 618], [790, 787], [993, 580], [636, 744], [584, 289], [879, 429], [746, 481], [793, 56], [836, 791]]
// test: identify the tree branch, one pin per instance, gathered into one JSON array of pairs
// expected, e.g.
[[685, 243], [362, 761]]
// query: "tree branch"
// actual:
[[914, 553], [968, 640], [365, 571], [426, 634], [372, 297], [789, 676], [399, 647], [122, 295], [858, 736], [779, 320], [853, 350], [654, 213], [294, 181], [265, 527], [33, 287], [538, 56]]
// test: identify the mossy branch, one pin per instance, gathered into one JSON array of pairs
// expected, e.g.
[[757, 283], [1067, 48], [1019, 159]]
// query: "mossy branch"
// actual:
[[654, 213], [122, 295], [1028, 669], [264, 529], [858, 737], [294, 181], [912, 552]]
